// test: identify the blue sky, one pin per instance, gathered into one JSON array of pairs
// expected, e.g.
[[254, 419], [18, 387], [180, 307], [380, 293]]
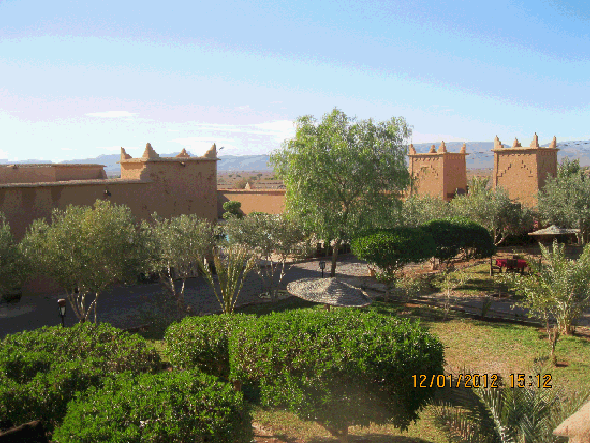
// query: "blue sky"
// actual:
[[80, 79]]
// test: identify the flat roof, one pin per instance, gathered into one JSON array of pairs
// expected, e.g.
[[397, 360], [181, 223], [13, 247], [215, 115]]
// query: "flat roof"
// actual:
[[105, 181]]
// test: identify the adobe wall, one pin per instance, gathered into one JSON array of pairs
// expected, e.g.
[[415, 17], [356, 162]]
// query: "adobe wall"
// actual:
[[180, 185], [271, 201], [50, 173], [168, 186], [522, 171], [438, 174]]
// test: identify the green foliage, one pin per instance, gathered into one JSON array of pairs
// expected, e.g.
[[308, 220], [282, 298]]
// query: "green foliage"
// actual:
[[231, 273], [88, 249], [336, 171], [448, 238], [393, 249], [173, 407], [476, 241], [177, 246], [14, 267], [41, 370], [508, 415], [340, 368], [232, 208], [561, 289], [564, 200], [418, 210], [272, 239], [202, 343], [493, 209]]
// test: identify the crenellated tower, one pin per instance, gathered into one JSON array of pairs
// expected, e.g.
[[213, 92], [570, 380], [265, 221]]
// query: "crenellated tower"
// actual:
[[522, 171], [440, 174]]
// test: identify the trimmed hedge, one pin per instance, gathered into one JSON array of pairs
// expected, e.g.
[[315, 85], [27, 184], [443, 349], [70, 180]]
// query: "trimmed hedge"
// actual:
[[392, 249], [169, 407], [340, 368], [42, 370], [202, 342]]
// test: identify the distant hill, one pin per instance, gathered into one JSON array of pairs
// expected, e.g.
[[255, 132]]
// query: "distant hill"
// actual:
[[480, 157]]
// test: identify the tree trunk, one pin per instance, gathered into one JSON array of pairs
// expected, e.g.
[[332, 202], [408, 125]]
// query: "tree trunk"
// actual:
[[334, 257], [341, 435]]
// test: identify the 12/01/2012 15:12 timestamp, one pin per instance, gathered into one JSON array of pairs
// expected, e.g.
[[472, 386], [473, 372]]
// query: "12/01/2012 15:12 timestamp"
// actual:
[[480, 381]]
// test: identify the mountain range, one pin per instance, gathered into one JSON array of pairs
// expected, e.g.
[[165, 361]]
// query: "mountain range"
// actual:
[[480, 157]]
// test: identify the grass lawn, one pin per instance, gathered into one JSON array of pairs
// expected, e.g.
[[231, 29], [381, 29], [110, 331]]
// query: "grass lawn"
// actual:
[[476, 346]]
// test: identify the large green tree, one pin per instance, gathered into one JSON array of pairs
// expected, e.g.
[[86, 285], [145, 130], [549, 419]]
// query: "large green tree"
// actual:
[[565, 199], [417, 210], [86, 250], [337, 170], [493, 209]]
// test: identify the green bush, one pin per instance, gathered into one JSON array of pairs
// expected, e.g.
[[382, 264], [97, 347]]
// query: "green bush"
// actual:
[[340, 368], [448, 236], [233, 209], [475, 240], [394, 248], [120, 351], [170, 407], [202, 342], [46, 395], [41, 370]]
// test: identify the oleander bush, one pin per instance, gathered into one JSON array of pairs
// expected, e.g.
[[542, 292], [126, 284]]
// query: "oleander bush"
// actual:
[[202, 342], [168, 407], [340, 368], [41, 370]]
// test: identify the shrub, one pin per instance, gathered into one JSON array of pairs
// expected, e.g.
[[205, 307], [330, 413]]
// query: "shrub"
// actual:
[[233, 209], [120, 351], [341, 368], [392, 249], [14, 266], [41, 370], [170, 407], [202, 342], [46, 395], [475, 240]]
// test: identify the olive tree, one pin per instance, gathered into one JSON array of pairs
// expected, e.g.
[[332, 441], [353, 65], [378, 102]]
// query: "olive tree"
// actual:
[[393, 249], [564, 200], [272, 239], [560, 290], [417, 210], [14, 268], [493, 209], [178, 245], [86, 250], [342, 175]]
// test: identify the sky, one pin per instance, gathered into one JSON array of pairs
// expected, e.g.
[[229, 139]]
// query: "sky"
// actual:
[[81, 79]]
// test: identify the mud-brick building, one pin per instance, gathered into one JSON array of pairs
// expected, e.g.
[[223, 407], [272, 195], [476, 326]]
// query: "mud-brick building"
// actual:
[[522, 171], [440, 173], [170, 186]]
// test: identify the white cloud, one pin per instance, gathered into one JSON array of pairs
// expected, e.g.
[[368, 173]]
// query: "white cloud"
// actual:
[[111, 114], [277, 101], [66, 149], [3, 154]]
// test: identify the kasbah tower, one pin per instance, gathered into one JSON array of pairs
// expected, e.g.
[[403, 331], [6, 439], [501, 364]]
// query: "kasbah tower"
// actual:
[[522, 171]]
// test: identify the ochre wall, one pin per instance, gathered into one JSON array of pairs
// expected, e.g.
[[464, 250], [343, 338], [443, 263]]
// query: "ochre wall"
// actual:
[[271, 201], [50, 173]]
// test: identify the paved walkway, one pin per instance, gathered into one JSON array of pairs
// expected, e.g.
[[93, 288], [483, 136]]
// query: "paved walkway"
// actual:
[[130, 306]]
